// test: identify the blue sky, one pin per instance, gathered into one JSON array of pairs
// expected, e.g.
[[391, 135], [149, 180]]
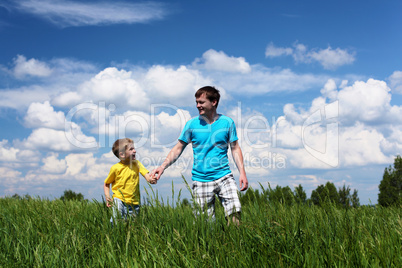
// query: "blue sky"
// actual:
[[313, 86]]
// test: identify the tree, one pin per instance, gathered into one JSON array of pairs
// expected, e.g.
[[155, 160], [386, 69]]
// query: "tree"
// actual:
[[325, 193], [252, 196], [391, 185], [316, 195], [344, 196], [300, 195], [355, 199], [70, 195], [346, 199], [282, 195]]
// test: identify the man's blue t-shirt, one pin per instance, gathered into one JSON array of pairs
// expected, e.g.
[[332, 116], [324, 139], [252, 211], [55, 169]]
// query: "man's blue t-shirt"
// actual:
[[210, 146]]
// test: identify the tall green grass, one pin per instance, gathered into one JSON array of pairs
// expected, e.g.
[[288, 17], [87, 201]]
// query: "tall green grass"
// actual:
[[41, 233]]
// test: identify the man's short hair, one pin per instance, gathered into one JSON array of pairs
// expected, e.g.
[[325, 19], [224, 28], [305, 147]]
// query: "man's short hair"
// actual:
[[211, 93], [120, 145]]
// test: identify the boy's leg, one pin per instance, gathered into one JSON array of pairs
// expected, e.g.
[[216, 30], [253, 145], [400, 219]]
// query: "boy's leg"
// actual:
[[119, 210], [204, 195], [230, 199], [133, 210]]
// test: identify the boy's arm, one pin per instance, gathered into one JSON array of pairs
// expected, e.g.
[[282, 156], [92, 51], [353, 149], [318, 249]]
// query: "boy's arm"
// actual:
[[149, 179], [170, 159], [106, 189], [238, 158]]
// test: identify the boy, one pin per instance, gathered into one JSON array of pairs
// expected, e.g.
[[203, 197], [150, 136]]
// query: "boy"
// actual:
[[124, 177]]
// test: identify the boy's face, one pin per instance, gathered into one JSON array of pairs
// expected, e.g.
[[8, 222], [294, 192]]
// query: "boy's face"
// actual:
[[129, 153]]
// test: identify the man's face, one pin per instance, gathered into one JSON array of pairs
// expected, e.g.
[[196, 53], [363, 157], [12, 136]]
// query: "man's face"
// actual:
[[204, 105]]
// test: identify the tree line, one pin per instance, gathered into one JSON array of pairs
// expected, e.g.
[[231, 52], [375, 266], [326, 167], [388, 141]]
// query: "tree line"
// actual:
[[68, 195], [342, 197], [390, 192]]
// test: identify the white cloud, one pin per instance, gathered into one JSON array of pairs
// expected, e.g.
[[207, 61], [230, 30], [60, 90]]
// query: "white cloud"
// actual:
[[6, 153], [361, 145], [57, 140], [8, 174], [72, 13], [396, 82], [66, 75], [329, 58], [21, 98], [156, 130], [368, 102], [67, 99], [167, 128], [332, 58], [111, 86], [44, 115], [76, 163], [271, 51], [32, 67], [369, 127], [263, 80], [53, 165], [219, 61], [18, 157], [174, 86], [392, 144], [158, 84]]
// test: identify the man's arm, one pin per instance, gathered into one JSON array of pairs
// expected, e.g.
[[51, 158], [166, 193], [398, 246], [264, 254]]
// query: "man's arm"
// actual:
[[170, 159], [238, 158]]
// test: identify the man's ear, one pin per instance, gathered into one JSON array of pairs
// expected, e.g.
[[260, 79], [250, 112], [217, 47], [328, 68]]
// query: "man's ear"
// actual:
[[214, 103], [122, 154]]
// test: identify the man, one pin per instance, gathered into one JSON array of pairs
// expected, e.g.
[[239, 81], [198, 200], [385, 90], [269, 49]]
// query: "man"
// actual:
[[211, 134]]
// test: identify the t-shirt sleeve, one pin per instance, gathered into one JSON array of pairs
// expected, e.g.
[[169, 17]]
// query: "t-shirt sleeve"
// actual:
[[232, 133], [142, 169], [185, 135], [111, 177]]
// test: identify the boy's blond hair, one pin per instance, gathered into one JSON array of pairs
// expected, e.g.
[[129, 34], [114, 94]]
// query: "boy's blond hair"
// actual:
[[120, 145]]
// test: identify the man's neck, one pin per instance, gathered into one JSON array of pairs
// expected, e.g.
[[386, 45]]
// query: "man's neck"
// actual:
[[210, 118]]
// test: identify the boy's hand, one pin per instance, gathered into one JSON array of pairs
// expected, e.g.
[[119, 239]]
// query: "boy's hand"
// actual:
[[150, 178], [109, 201]]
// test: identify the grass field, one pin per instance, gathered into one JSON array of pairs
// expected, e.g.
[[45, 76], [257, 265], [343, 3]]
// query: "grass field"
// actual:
[[43, 233]]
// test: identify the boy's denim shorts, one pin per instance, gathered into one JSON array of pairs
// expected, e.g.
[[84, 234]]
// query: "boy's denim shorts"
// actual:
[[121, 210]]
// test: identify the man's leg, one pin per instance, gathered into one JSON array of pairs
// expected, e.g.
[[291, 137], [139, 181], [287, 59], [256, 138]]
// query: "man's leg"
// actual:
[[204, 196], [230, 199]]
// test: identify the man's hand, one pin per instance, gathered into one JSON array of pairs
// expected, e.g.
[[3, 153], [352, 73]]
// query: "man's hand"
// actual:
[[157, 173], [243, 182], [170, 159]]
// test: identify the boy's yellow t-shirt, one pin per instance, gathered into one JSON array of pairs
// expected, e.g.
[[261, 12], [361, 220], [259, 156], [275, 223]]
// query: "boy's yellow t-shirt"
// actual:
[[125, 181]]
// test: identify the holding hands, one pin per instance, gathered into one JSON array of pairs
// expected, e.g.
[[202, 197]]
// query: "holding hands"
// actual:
[[151, 178], [157, 173]]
